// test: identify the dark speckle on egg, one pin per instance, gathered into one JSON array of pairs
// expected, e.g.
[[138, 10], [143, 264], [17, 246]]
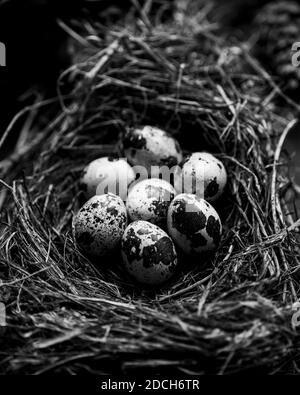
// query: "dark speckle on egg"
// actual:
[[187, 222], [123, 219], [131, 245], [213, 229], [160, 252], [160, 209], [167, 252], [112, 211], [211, 189], [150, 256]]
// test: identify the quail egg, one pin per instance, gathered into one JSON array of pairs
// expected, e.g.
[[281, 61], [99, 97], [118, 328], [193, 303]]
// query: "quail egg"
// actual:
[[148, 253], [100, 223], [194, 224], [149, 200], [107, 174], [150, 146], [201, 174]]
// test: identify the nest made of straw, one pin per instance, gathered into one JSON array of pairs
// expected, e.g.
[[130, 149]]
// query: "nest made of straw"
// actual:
[[235, 313]]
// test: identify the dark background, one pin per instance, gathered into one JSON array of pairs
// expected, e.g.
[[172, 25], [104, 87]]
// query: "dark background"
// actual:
[[37, 47]]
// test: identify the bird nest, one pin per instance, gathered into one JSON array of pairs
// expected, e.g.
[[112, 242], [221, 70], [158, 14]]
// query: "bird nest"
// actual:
[[229, 314]]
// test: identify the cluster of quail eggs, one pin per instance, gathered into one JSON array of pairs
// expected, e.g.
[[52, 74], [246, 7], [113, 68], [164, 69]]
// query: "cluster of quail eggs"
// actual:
[[150, 218]]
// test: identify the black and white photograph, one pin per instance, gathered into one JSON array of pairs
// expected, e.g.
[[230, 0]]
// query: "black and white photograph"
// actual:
[[149, 192]]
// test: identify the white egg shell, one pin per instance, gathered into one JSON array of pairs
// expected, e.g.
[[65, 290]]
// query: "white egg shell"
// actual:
[[149, 200], [194, 224], [107, 174], [201, 174], [150, 146], [148, 253], [100, 223]]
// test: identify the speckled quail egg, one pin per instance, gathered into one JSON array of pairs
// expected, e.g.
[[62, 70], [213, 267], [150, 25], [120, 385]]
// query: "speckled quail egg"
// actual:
[[107, 174], [150, 146], [149, 200], [194, 224], [201, 174], [99, 224], [148, 253]]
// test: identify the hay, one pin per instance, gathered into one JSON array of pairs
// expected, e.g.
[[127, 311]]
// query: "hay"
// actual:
[[234, 314]]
